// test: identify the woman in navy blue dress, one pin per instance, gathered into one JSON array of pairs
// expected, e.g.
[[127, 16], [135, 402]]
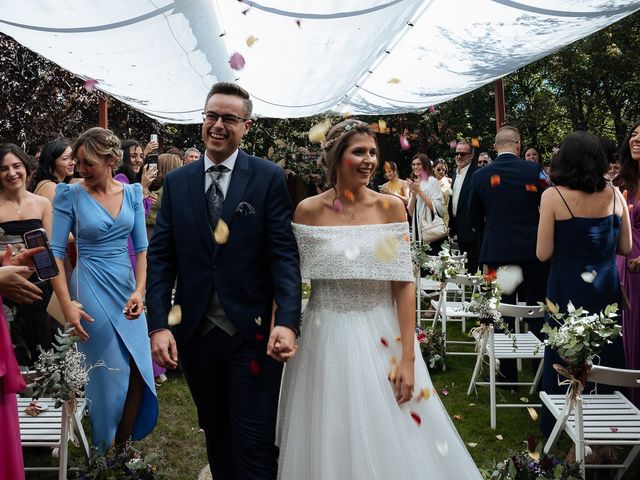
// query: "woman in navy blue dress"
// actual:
[[583, 224]]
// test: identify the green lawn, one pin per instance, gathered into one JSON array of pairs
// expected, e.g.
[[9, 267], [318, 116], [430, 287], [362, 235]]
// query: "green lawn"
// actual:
[[181, 445]]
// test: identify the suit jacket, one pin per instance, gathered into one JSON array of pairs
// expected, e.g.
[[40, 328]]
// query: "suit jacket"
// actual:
[[461, 224], [504, 208], [259, 262]]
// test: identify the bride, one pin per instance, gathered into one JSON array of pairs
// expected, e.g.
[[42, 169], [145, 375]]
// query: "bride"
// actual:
[[357, 401]]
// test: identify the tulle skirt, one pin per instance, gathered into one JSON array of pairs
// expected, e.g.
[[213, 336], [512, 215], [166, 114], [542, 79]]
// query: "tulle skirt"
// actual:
[[339, 419]]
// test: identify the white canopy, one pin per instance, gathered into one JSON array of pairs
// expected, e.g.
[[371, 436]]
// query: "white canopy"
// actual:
[[307, 56]]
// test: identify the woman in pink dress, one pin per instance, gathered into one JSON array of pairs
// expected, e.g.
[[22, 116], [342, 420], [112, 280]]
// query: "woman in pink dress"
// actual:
[[629, 267], [13, 285]]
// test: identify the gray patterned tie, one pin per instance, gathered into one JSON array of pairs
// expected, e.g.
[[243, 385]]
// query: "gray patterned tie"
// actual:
[[214, 195]]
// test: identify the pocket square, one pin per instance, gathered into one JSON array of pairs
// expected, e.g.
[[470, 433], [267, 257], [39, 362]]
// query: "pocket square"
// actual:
[[244, 209]]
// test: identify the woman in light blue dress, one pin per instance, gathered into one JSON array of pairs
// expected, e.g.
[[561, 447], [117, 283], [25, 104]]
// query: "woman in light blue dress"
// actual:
[[111, 323]]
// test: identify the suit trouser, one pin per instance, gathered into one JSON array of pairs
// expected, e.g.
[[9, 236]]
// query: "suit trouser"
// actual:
[[235, 386], [532, 290]]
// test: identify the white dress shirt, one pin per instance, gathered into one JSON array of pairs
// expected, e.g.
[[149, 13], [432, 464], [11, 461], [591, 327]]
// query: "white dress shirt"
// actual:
[[457, 186], [225, 178]]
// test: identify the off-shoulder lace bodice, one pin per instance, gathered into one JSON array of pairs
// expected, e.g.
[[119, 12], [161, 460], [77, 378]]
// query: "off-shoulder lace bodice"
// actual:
[[367, 252], [350, 267]]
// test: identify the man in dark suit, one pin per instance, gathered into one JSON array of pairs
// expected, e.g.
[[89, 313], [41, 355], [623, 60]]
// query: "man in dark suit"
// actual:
[[504, 209], [239, 289], [460, 221]]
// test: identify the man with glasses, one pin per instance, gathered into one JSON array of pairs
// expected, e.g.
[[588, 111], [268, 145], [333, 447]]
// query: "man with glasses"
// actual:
[[236, 261], [484, 159], [505, 201], [460, 222]]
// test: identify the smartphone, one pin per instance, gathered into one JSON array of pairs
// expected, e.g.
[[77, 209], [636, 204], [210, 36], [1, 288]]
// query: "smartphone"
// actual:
[[152, 159], [153, 137], [44, 262]]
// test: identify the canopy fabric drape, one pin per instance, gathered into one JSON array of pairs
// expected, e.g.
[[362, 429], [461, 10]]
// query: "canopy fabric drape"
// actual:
[[302, 57]]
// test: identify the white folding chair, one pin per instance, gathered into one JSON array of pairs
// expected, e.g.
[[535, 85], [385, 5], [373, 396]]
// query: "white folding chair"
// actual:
[[607, 419], [500, 346], [429, 289]]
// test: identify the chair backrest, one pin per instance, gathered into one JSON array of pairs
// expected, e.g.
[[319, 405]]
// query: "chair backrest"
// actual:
[[520, 311], [614, 376], [466, 280]]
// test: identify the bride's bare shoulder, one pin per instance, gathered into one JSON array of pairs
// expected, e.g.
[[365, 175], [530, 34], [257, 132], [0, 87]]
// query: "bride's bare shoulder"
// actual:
[[308, 210]]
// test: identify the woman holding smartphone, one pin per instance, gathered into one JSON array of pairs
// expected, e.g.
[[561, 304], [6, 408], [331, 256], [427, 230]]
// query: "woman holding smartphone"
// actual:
[[20, 212]]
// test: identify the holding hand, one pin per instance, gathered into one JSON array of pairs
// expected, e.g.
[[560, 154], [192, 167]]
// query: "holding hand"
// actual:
[[164, 349], [151, 147], [149, 174], [14, 273], [134, 306], [404, 381], [282, 344], [634, 265]]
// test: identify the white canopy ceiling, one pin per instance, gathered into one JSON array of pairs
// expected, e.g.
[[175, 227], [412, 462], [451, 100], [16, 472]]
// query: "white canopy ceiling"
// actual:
[[307, 56]]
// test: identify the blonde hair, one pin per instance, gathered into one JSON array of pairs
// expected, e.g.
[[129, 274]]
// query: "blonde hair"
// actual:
[[99, 144], [338, 139], [166, 163]]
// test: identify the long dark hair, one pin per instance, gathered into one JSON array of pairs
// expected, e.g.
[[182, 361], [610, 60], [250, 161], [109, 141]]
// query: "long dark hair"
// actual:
[[580, 163], [47, 163], [7, 148], [126, 168], [629, 174]]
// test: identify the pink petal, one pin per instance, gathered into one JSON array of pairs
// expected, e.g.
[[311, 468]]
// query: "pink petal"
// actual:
[[453, 144], [432, 109], [337, 206], [424, 175], [404, 143], [236, 61], [90, 84], [445, 392], [613, 429]]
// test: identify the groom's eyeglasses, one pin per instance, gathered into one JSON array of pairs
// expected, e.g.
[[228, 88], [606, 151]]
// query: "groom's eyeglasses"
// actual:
[[228, 119]]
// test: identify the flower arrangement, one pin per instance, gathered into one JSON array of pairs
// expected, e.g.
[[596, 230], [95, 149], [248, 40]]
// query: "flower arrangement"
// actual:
[[115, 464], [580, 336], [420, 253], [532, 466], [62, 372], [431, 342], [486, 300], [443, 266]]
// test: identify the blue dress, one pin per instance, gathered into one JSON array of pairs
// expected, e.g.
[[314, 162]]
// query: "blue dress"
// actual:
[[106, 281], [583, 245]]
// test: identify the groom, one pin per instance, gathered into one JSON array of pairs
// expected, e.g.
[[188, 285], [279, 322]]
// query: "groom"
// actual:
[[232, 338]]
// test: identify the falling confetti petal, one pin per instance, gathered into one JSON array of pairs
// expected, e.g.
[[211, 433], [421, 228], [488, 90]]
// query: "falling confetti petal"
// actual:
[[445, 392], [443, 447], [524, 399], [495, 180], [613, 429], [384, 342], [424, 175], [255, 368], [472, 404], [386, 249], [491, 275], [472, 444], [258, 321], [553, 308], [90, 84], [453, 144], [499, 437], [251, 40], [221, 233], [406, 238], [530, 187], [175, 315], [337, 206], [425, 394], [475, 142], [457, 417], [236, 61], [351, 252], [404, 143], [246, 10], [533, 414], [394, 80], [382, 126], [416, 418], [348, 194], [509, 277], [346, 115], [259, 337], [319, 130], [625, 194], [385, 204], [534, 455], [398, 338], [432, 109], [589, 277], [298, 22]]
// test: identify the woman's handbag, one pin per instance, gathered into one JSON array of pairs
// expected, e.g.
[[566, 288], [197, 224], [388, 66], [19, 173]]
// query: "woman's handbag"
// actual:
[[432, 227]]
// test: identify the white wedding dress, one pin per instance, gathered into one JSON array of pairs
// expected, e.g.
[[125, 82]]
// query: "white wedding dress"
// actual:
[[338, 418]]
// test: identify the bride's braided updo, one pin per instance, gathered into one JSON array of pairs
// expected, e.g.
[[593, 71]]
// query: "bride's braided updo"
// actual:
[[99, 143], [338, 139]]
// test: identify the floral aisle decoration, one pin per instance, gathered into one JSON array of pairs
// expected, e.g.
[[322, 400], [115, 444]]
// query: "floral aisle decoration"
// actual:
[[431, 343], [420, 253], [443, 266], [120, 464], [578, 337], [532, 466]]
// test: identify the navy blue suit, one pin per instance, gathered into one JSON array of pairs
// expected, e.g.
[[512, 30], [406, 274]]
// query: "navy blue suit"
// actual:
[[505, 210], [235, 385], [460, 224]]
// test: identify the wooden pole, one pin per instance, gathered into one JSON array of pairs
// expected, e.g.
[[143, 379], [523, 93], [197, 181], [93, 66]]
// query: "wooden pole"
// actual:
[[103, 112], [498, 89]]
